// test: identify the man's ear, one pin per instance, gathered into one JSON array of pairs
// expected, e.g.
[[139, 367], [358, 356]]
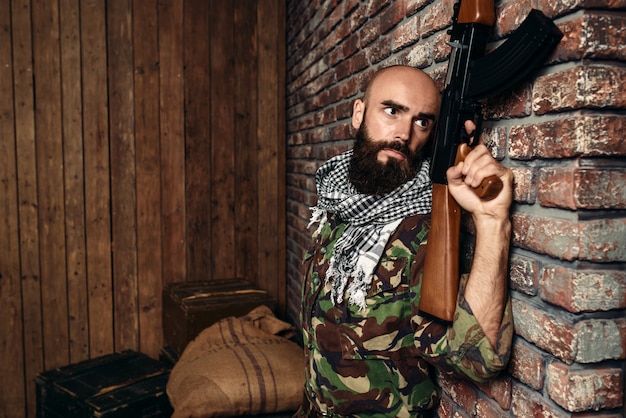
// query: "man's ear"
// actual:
[[358, 110]]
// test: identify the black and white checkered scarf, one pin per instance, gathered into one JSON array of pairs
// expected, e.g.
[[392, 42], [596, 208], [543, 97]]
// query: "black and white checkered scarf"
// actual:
[[370, 221]]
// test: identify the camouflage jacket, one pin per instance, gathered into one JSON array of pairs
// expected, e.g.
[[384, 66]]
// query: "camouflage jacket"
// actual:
[[377, 361]]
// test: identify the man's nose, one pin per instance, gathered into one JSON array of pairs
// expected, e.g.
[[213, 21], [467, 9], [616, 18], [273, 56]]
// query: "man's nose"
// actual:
[[404, 129]]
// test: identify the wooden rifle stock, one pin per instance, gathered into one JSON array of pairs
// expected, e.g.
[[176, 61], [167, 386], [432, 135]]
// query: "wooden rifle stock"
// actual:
[[441, 266], [438, 297]]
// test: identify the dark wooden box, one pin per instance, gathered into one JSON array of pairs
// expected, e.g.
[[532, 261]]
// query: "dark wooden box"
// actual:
[[121, 385], [190, 307]]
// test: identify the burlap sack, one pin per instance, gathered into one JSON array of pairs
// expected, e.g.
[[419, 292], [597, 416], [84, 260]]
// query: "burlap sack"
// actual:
[[238, 366]]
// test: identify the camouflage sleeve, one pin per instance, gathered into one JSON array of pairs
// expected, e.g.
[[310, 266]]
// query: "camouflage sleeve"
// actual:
[[462, 347]]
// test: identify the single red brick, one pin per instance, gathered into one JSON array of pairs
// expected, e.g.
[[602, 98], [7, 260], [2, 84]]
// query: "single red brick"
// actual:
[[516, 102], [330, 21], [369, 32], [600, 339], [437, 17], [498, 389], [564, 138], [524, 184], [439, 75], [494, 138], [556, 187], [580, 87], [340, 132], [584, 390], [549, 332], [350, 44], [586, 341], [412, 6], [344, 111], [584, 290], [323, 117], [349, 6], [510, 15], [602, 240], [420, 55], [352, 65], [392, 15], [522, 141], [600, 188], [349, 88], [375, 6], [378, 51], [594, 35], [343, 70], [524, 274], [582, 188], [546, 235], [571, 46], [406, 34], [486, 408], [460, 391], [528, 403], [441, 46], [302, 166], [527, 364], [596, 240]]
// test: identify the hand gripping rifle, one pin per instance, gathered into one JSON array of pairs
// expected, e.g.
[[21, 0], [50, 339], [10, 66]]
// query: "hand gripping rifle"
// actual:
[[471, 76]]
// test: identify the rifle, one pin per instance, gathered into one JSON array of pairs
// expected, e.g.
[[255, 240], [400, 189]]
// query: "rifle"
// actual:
[[471, 76]]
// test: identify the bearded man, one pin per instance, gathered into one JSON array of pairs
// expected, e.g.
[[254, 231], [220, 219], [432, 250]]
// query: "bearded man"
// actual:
[[369, 352]]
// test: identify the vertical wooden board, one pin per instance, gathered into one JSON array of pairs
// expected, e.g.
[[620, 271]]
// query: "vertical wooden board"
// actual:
[[271, 149], [222, 141], [197, 138], [27, 190], [245, 140], [148, 163], [281, 123], [46, 48], [97, 192], [73, 162], [172, 139], [12, 396], [122, 160]]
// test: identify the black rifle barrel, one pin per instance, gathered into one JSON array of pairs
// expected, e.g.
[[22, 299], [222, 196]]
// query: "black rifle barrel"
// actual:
[[473, 76]]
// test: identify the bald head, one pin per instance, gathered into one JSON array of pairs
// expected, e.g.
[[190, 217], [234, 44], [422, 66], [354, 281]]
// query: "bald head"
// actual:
[[401, 88], [412, 79]]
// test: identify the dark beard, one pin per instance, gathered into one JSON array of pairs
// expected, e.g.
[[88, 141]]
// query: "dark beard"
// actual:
[[370, 176]]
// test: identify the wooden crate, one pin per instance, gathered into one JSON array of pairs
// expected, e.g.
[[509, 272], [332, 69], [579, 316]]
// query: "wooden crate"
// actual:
[[190, 307], [121, 385]]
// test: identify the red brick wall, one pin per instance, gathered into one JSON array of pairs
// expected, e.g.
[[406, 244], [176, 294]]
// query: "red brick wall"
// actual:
[[563, 136]]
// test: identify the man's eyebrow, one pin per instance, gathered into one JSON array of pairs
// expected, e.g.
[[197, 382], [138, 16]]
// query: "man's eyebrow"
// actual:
[[395, 105], [429, 116], [398, 106]]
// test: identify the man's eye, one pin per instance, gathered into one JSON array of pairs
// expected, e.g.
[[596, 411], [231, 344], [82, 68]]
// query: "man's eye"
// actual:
[[391, 111], [422, 123]]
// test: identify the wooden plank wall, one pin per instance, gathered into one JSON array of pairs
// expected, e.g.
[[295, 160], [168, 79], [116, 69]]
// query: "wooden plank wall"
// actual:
[[141, 142]]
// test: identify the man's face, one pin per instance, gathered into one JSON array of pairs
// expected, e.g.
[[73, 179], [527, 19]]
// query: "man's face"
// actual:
[[402, 104], [372, 176]]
